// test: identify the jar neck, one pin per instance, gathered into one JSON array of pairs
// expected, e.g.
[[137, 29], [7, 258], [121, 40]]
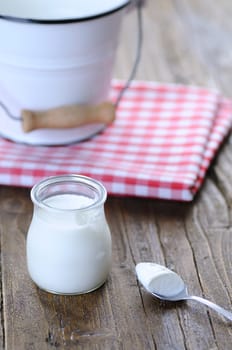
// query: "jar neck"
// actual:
[[68, 193]]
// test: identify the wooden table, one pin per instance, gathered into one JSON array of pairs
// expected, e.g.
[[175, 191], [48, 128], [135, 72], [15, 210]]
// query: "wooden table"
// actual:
[[186, 42]]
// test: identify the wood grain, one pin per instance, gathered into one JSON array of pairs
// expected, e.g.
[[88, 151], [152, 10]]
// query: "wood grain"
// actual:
[[185, 42]]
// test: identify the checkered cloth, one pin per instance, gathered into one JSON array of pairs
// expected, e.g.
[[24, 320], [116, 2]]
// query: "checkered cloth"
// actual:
[[160, 146]]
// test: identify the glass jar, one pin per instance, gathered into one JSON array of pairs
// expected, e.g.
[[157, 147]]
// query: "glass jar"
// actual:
[[69, 241]]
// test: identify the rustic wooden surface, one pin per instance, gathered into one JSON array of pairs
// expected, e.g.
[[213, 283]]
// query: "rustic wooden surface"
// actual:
[[186, 42]]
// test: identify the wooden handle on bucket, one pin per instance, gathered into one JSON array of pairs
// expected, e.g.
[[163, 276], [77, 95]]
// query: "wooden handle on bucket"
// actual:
[[68, 116]]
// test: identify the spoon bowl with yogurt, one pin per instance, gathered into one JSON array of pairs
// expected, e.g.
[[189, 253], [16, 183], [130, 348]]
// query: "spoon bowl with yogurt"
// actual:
[[165, 284]]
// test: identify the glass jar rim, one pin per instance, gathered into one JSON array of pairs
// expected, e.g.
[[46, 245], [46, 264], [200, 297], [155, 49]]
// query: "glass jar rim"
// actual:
[[91, 183]]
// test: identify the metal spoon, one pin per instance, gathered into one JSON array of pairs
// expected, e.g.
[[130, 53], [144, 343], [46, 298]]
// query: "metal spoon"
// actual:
[[145, 277]]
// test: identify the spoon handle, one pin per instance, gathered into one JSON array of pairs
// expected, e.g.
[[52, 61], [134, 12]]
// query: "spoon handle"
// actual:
[[227, 314]]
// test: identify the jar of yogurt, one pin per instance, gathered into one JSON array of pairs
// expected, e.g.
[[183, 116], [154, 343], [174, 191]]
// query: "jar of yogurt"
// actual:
[[69, 241]]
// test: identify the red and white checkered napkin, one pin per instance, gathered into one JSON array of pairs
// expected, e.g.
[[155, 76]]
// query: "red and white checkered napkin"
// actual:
[[160, 145]]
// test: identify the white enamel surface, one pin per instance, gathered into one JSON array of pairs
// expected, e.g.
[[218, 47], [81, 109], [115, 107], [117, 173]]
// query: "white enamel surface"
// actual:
[[68, 252], [58, 9], [46, 66], [159, 280]]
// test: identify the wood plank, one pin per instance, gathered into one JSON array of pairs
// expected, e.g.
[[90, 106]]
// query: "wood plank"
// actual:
[[208, 26]]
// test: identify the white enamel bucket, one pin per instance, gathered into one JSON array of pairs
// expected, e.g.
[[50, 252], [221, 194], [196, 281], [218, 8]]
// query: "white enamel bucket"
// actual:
[[54, 53]]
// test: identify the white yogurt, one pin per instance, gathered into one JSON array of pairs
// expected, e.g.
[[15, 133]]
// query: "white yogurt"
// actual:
[[159, 279], [68, 245]]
